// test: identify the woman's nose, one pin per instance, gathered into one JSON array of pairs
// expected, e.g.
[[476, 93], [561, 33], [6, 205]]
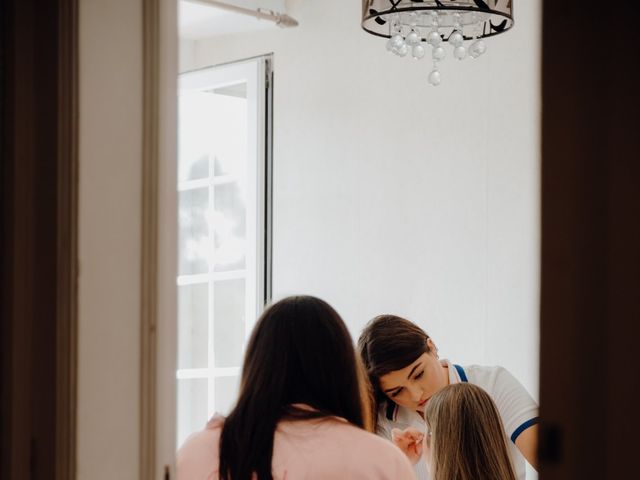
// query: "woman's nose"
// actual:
[[416, 393]]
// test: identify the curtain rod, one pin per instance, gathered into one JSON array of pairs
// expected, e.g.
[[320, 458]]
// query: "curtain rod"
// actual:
[[281, 19]]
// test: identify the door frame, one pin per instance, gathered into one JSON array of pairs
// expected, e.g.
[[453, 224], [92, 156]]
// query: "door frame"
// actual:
[[38, 240]]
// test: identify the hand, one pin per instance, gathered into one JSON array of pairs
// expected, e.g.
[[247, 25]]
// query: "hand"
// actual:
[[410, 441]]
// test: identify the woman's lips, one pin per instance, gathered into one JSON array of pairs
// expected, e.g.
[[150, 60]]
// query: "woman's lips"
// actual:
[[423, 403]]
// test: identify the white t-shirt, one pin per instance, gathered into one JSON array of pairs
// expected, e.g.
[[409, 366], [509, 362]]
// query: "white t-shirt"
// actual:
[[516, 407]]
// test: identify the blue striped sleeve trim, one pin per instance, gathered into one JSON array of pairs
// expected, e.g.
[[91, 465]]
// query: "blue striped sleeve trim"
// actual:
[[463, 376], [523, 427]]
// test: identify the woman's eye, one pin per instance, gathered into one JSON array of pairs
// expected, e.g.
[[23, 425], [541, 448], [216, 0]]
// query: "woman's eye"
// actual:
[[396, 393], [419, 375]]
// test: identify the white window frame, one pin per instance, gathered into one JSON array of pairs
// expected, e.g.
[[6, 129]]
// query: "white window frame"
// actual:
[[257, 74]]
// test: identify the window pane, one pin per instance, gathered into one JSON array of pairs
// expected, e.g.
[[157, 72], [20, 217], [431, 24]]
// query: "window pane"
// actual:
[[229, 149], [198, 168], [230, 227], [193, 328], [226, 393], [194, 136], [228, 319], [192, 407], [193, 242]]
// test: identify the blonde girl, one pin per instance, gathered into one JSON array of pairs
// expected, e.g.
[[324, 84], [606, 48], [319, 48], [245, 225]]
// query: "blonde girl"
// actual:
[[465, 438]]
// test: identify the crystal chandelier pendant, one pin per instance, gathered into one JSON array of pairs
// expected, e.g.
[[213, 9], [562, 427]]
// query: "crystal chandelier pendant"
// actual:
[[457, 25], [434, 76], [477, 48], [418, 52]]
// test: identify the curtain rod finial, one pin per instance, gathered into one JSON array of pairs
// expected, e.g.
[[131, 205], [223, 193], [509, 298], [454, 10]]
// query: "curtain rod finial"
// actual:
[[285, 21]]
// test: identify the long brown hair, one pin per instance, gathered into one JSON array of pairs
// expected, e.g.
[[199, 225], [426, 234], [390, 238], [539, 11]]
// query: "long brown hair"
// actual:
[[300, 352], [388, 343], [466, 436]]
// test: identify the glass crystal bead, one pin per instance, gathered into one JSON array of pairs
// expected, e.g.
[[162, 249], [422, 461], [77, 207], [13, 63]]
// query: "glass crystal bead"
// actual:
[[460, 52], [397, 40], [434, 78], [417, 52], [434, 39], [477, 48], [456, 39], [413, 38], [438, 53]]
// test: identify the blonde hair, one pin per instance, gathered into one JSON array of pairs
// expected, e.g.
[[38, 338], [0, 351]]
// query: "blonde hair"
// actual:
[[467, 438]]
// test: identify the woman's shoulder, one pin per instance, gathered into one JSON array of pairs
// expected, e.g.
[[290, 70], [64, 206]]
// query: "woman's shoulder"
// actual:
[[197, 458], [514, 402], [323, 446], [349, 432], [490, 377], [382, 455], [482, 369], [353, 440], [336, 445]]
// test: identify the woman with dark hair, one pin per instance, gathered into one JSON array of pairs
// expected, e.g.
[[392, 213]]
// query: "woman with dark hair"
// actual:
[[302, 411], [405, 371]]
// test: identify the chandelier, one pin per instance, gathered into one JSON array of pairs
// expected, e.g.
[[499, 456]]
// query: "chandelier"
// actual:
[[461, 24]]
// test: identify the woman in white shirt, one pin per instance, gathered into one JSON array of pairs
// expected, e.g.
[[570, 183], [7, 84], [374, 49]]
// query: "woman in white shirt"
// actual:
[[405, 372]]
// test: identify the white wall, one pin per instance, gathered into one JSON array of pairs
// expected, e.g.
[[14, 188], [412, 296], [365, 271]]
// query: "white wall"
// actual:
[[186, 53], [394, 196], [110, 159]]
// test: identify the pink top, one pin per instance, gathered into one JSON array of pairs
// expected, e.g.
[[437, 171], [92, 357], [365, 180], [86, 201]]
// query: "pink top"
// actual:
[[329, 448]]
